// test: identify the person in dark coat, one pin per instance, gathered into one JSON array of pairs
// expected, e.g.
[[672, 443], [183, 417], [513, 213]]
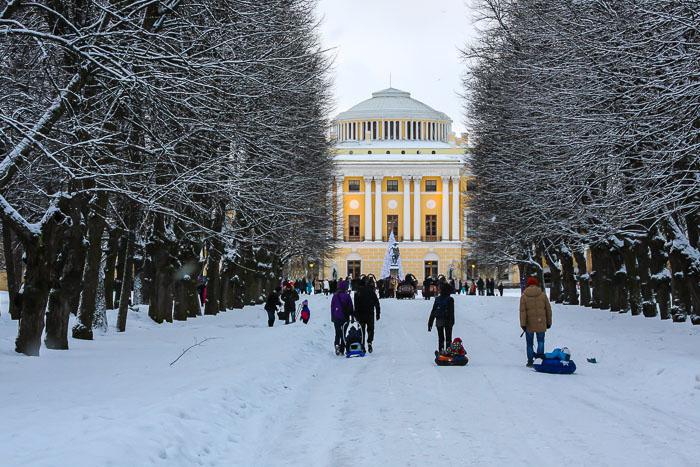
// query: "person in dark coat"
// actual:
[[273, 301], [426, 288], [366, 302], [500, 288], [443, 315], [480, 286], [290, 297], [452, 286], [341, 310]]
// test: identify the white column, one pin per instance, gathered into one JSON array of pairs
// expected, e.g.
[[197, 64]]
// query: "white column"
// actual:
[[416, 209], [406, 207], [378, 220], [368, 209], [445, 208], [339, 206], [455, 208]]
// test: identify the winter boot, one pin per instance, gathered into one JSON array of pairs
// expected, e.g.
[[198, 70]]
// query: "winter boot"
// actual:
[[369, 347], [529, 364], [337, 350]]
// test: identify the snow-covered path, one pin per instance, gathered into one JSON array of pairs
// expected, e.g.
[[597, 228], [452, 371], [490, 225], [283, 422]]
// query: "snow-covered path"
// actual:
[[260, 396]]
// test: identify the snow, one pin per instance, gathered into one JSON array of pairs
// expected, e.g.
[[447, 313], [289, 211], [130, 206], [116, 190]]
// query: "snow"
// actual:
[[256, 396]]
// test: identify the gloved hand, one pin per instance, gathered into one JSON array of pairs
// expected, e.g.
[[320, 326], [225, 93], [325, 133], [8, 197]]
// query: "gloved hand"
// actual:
[[549, 326], [377, 316], [524, 328], [430, 328]]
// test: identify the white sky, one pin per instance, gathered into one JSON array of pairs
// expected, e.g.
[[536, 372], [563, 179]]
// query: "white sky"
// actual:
[[416, 41]]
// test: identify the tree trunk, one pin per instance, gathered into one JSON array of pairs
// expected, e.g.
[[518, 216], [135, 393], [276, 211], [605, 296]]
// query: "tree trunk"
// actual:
[[660, 274], [213, 265], [570, 295], [40, 253], [161, 304], [127, 268], [122, 250], [92, 273], [13, 265], [642, 254], [633, 280], [110, 260], [618, 275], [583, 277], [555, 291], [65, 293], [685, 267]]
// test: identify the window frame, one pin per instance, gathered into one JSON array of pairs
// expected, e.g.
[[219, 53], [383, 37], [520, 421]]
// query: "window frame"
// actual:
[[433, 186], [352, 184], [393, 183]]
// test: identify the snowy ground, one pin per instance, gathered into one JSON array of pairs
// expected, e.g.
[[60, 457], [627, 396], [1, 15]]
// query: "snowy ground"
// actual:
[[264, 397]]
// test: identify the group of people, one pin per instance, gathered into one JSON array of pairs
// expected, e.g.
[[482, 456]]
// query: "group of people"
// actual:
[[535, 312], [481, 287], [535, 318], [364, 310], [286, 298]]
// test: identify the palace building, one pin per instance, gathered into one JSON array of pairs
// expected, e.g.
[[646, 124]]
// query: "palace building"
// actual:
[[400, 169]]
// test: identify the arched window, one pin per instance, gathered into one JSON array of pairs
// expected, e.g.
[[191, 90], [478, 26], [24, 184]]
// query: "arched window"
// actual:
[[388, 152], [369, 152]]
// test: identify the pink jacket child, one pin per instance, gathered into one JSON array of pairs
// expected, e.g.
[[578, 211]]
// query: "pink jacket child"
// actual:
[[305, 312]]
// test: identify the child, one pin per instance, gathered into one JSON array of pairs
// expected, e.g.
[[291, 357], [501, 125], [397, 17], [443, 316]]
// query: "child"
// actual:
[[456, 348], [305, 312]]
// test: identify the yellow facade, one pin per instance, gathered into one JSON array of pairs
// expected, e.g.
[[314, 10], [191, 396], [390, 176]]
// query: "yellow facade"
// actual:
[[409, 173]]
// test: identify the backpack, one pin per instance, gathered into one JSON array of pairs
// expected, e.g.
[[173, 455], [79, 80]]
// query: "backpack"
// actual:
[[441, 308]]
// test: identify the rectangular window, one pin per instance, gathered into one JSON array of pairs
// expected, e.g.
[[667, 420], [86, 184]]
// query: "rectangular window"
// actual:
[[431, 185], [374, 130], [431, 228], [354, 228], [392, 224], [471, 184], [354, 268], [386, 130], [354, 185], [431, 269], [392, 185]]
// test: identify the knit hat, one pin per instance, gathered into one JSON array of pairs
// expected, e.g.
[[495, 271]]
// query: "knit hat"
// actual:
[[532, 281]]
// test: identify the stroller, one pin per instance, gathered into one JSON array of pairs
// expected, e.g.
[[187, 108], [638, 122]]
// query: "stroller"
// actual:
[[354, 339]]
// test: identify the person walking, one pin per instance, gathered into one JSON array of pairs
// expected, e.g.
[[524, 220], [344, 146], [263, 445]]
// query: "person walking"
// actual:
[[366, 302], [341, 310], [443, 315], [290, 297], [273, 301], [500, 288], [326, 287], [535, 318]]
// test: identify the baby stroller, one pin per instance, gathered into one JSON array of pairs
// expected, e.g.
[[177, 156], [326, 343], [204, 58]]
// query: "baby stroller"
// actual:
[[353, 339]]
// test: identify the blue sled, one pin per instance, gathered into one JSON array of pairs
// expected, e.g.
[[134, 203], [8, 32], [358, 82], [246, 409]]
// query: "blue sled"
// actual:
[[354, 353], [556, 367]]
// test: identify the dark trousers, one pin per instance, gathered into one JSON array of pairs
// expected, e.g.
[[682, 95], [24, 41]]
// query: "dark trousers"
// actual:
[[339, 338], [444, 336], [367, 331], [270, 318]]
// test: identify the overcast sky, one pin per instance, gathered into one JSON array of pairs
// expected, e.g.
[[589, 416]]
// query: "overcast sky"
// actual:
[[416, 41]]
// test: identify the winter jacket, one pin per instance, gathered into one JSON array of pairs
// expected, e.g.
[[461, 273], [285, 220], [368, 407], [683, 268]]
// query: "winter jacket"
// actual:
[[365, 303], [341, 304], [449, 320], [290, 297], [535, 310], [273, 301]]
